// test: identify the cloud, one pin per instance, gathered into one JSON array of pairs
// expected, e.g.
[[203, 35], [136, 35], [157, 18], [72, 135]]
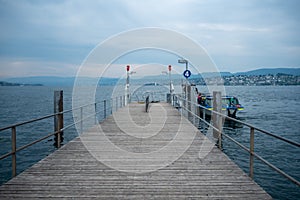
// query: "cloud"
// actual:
[[24, 67], [65, 31], [229, 28]]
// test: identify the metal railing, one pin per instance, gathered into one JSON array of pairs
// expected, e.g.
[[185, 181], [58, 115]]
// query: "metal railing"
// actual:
[[250, 150], [104, 107]]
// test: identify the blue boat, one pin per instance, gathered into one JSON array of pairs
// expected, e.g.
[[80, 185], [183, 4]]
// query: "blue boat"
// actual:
[[230, 105]]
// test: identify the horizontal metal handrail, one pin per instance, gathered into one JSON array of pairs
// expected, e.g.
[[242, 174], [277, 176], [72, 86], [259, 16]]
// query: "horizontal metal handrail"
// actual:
[[244, 123], [30, 144], [83, 106], [46, 116], [241, 145], [29, 121], [106, 107], [89, 116]]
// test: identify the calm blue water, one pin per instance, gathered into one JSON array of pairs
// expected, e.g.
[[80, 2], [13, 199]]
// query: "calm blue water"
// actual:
[[20, 104], [275, 109]]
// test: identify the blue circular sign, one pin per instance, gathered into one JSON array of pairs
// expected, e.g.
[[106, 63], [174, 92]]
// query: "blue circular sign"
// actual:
[[187, 73]]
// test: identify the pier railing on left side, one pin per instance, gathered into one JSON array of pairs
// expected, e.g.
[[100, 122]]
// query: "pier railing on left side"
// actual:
[[106, 107]]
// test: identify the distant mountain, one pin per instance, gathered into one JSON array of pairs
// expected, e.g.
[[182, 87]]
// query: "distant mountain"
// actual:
[[273, 71], [4, 83], [69, 81], [45, 80], [180, 76], [215, 74], [60, 81]]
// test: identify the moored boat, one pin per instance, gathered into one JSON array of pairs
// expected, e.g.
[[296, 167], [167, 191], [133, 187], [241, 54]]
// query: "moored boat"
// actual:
[[230, 105]]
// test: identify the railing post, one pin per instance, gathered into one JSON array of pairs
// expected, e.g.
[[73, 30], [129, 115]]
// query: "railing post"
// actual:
[[189, 105], [60, 126], [104, 109], [58, 119], [81, 121], [121, 102], [111, 105], [195, 112], [116, 103], [95, 113], [13, 150], [185, 107], [172, 100], [217, 119], [251, 169]]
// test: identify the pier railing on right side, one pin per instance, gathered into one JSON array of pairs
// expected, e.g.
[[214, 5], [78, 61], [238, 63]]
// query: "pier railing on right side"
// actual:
[[192, 110]]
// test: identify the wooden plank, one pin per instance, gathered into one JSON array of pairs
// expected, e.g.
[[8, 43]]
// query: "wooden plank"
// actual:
[[72, 172]]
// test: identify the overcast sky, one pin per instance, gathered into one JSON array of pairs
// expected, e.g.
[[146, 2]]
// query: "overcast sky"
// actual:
[[54, 37]]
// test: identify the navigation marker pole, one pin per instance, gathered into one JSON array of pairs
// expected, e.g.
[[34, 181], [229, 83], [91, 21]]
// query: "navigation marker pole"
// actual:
[[171, 84], [127, 86], [187, 73]]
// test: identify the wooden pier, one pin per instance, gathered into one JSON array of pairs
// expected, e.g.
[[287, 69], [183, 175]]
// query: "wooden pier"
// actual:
[[72, 172]]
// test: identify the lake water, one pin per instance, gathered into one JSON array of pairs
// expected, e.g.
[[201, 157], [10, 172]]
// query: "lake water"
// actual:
[[273, 108]]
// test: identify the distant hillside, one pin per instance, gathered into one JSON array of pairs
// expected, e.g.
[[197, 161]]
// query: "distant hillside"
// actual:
[[59, 81], [273, 71], [180, 76], [69, 81], [215, 74], [4, 83]]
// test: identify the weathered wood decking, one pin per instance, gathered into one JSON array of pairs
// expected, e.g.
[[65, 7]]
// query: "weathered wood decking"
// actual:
[[202, 171]]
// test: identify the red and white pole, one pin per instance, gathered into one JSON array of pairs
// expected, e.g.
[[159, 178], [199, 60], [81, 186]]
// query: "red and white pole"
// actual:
[[171, 85], [127, 85]]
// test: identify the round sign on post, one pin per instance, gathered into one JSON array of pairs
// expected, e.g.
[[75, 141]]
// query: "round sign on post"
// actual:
[[187, 73]]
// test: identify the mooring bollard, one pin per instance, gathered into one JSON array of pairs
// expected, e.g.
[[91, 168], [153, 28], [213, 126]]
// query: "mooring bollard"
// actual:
[[59, 118]]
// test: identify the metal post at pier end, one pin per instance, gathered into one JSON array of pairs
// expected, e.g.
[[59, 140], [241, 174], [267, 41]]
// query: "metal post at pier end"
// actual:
[[58, 119], [147, 104], [217, 119], [251, 162], [13, 150], [104, 109], [81, 119]]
